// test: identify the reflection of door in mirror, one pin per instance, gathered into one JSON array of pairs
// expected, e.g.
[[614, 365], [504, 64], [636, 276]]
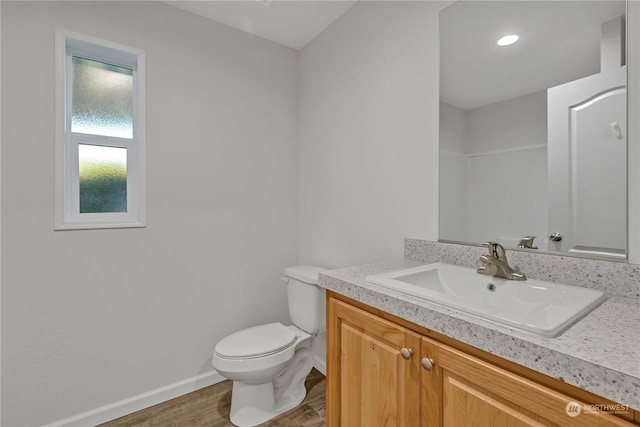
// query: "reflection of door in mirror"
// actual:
[[587, 132]]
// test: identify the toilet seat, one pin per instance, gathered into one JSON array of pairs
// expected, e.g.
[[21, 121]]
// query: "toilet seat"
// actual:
[[257, 341], [250, 354]]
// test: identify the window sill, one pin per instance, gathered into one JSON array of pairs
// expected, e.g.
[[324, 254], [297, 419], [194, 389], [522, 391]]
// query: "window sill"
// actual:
[[98, 225]]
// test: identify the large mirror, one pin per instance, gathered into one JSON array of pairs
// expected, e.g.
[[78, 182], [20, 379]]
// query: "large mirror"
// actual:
[[533, 134]]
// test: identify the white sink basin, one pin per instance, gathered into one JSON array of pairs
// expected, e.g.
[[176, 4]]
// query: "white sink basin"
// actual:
[[544, 308]]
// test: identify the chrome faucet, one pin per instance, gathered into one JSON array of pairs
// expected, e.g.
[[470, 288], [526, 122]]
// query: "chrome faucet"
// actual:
[[495, 263]]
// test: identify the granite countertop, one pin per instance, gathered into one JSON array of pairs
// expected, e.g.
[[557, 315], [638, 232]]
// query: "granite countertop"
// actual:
[[600, 353]]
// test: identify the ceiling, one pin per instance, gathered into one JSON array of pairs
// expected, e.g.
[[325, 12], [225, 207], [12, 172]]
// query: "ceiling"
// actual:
[[559, 42], [290, 23]]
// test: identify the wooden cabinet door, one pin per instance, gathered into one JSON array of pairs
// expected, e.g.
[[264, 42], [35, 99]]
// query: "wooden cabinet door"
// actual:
[[474, 392], [372, 380]]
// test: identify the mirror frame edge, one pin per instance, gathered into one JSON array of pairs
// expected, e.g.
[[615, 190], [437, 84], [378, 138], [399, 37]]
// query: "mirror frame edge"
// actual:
[[633, 131]]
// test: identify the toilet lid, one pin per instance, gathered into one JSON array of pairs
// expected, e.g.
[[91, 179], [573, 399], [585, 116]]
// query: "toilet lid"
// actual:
[[256, 341]]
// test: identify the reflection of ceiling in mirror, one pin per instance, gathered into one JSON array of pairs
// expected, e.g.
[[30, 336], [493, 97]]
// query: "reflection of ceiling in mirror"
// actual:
[[559, 42]]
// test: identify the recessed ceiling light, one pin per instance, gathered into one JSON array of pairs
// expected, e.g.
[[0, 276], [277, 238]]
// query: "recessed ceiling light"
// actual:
[[507, 40]]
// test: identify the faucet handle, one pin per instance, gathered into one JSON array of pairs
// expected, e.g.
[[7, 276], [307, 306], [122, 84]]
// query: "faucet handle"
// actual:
[[527, 242]]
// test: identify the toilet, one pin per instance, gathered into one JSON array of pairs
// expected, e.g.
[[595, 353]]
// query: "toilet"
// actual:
[[269, 363]]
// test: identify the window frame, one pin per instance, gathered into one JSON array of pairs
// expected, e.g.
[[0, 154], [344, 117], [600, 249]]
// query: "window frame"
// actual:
[[67, 195]]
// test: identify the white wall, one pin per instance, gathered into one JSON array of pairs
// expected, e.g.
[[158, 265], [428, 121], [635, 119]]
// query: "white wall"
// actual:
[[91, 317], [505, 171], [453, 173], [517, 123], [453, 129], [368, 134], [507, 197]]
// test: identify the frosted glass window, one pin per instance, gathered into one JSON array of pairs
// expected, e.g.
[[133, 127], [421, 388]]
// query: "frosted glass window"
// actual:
[[100, 129], [103, 178], [102, 99]]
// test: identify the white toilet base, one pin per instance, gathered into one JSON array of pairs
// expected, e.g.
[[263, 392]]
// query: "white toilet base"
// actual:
[[253, 404]]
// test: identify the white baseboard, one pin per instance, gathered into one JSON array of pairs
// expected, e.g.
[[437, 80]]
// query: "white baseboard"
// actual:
[[320, 364], [135, 403]]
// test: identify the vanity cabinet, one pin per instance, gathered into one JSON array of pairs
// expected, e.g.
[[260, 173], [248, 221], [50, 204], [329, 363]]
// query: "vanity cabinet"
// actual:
[[383, 371], [377, 376]]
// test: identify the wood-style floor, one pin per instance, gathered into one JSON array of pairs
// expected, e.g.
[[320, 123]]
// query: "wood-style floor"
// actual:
[[210, 407]]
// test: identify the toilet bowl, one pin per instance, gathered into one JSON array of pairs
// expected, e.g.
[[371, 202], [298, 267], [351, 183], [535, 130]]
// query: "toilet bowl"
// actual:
[[269, 363], [250, 356]]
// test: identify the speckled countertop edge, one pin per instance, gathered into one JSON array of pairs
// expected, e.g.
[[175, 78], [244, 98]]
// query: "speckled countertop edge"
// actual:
[[600, 353]]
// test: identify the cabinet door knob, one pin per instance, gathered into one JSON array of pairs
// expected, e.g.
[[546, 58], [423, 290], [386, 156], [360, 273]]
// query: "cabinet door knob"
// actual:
[[427, 363], [406, 353]]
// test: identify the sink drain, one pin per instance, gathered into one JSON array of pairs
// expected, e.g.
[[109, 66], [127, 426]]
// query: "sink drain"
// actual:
[[491, 287]]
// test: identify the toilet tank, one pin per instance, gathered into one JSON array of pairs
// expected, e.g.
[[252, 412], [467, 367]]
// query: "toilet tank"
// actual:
[[306, 298]]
